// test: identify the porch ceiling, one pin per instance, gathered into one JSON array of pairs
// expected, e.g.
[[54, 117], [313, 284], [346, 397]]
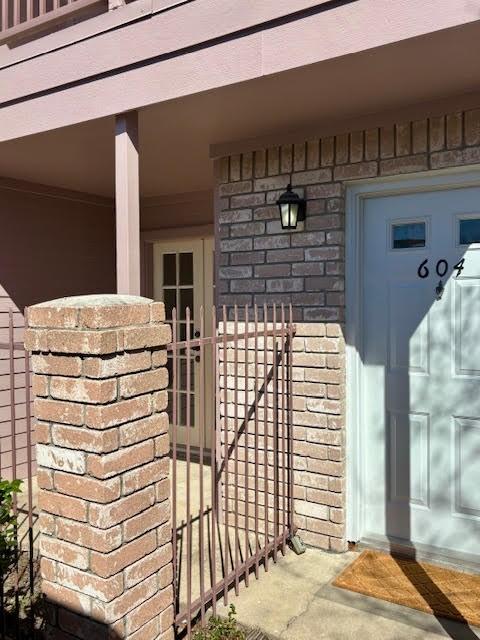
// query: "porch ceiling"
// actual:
[[175, 136]]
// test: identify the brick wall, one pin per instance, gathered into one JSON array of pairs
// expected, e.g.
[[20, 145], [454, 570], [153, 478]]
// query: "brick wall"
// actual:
[[258, 263]]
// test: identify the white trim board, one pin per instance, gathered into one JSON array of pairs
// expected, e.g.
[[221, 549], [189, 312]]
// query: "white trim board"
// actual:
[[357, 193]]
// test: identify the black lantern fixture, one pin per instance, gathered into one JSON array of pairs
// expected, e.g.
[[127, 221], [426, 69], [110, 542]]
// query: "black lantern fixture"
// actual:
[[292, 208]]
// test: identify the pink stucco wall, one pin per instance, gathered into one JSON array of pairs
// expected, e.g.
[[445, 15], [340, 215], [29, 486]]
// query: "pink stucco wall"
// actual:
[[49, 247], [182, 210], [52, 247]]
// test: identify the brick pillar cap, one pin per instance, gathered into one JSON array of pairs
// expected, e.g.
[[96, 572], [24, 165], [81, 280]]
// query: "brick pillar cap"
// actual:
[[94, 300], [99, 311]]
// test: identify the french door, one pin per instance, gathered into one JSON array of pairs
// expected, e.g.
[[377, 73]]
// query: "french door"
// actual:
[[183, 278]]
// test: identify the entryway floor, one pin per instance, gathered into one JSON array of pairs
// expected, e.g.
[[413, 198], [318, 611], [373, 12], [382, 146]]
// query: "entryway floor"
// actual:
[[297, 601]]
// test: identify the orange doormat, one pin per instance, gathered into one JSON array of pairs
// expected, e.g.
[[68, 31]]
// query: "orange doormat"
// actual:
[[419, 585]]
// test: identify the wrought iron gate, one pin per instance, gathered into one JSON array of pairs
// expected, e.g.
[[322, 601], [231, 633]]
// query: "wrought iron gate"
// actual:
[[232, 473], [17, 462]]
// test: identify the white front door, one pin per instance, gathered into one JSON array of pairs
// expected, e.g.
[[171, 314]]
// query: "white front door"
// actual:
[[420, 387], [183, 278]]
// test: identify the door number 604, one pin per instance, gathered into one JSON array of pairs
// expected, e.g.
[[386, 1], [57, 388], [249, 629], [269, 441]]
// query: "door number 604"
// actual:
[[441, 268]]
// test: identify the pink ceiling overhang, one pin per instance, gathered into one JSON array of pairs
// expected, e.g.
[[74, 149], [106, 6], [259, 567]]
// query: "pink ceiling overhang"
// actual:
[[192, 49]]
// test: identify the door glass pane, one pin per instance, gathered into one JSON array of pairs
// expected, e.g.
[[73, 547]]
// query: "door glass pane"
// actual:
[[183, 409], [409, 235], [214, 283], [170, 371], [182, 371], [186, 268], [169, 269], [169, 298], [182, 332], [186, 300], [192, 411], [470, 231], [192, 375]]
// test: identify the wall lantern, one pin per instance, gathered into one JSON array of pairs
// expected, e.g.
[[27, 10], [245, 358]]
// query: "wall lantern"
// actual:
[[292, 208]]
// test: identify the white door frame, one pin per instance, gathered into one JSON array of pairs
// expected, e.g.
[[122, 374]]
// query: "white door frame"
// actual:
[[357, 193]]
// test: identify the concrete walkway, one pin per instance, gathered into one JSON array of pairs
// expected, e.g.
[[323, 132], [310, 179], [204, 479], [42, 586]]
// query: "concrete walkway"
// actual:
[[296, 601]]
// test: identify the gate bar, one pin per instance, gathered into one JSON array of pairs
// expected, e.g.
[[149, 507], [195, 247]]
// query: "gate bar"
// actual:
[[187, 422], [257, 406], [195, 342], [284, 459], [247, 461], [235, 440], [213, 458], [202, 427], [275, 430], [290, 416], [174, 456], [225, 429], [265, 434]]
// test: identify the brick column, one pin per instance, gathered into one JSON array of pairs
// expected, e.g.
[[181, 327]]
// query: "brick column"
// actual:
[[100, 383]]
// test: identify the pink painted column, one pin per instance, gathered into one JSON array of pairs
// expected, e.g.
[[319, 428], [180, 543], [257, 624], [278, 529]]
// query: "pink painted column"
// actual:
[[100, 382], [127, 203]]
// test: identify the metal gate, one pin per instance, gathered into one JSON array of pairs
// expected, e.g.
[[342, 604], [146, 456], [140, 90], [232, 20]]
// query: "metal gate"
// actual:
[[19, 569], [232, 473]]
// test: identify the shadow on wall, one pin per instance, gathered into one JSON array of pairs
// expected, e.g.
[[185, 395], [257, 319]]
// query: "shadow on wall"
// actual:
[[42, 617], [78, 626], [399, 521], [35, 617], [52, 247]]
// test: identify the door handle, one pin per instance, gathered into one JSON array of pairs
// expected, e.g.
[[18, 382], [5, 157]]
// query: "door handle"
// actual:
[[196, 348], [196, 335]]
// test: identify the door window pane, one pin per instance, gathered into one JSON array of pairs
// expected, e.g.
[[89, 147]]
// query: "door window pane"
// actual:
[[186, 300], [169, 298], [183, 332], [409, 235], [184, 398], [169, 269], [470, 231], [182, 409], [170, 371], [186, 268], [182, 372]]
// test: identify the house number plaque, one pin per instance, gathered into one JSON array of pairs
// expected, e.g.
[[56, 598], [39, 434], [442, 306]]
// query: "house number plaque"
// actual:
[[441, 268]]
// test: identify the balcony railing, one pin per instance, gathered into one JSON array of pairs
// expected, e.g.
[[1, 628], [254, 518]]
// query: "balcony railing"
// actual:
[[23, 18]]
